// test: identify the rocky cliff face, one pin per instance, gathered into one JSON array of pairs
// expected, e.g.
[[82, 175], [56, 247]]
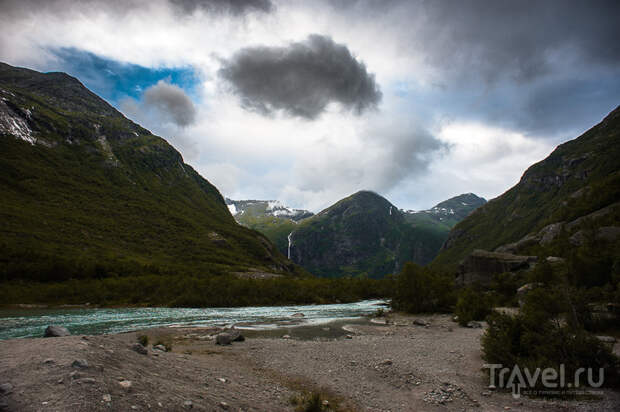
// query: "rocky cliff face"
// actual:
[[86, 190]]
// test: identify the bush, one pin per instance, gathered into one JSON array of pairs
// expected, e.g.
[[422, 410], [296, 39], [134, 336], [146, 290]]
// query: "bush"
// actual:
[[546, 333], [143, 340], [419, 290], [472, 305]]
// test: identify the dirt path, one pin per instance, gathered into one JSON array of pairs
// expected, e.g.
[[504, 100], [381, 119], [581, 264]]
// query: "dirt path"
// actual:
[[375, 368]]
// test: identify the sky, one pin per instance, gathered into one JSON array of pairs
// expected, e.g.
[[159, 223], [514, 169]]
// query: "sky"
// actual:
[[308, 102]]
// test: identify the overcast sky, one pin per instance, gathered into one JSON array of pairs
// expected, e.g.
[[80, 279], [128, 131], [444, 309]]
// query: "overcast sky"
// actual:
[[310, 101]]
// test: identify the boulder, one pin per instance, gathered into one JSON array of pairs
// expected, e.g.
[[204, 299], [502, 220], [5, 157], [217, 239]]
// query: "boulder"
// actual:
[[420, 322], [137, 347], [53, 331], [223, 339], [481, 265]]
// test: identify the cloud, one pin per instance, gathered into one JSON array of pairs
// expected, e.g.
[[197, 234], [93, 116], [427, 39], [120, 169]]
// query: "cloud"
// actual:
[[167, 111], [301, 79], [234, 7], [171, 102]]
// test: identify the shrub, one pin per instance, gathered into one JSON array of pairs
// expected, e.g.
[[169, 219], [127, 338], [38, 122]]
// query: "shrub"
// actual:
[[472, 305], [546, 333], [419, 289]]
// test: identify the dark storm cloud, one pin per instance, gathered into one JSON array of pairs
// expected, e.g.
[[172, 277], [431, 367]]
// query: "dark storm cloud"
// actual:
[[170, 101], [524, 39], [122, 7], [493, 38], [235, 7], [301, 79]]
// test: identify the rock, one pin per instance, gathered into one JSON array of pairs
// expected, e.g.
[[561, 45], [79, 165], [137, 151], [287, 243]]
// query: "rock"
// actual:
[[223, 380], [550, 232], [48, 361], [137, 347], [87, 380], [75, 375], [80, 364], [286, 336], [224, 406], [607, 339], [298, 315], [348, 337], [387, 362], [486, 393], [420, 322], [6, 388], [107, 397], [160, 347], [474, 325], [53, 331], [554, 260], [125, 384], [223, 339], [188, 405], [481, 265]]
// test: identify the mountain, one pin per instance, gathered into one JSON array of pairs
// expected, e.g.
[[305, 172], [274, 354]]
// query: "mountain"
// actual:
[[364, 234], [446, 214], [88, 193], [270, 217], [562, 203]]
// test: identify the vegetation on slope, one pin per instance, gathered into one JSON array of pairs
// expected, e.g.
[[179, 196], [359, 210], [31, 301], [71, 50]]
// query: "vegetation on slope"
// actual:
[[580, 177], [97, 196]]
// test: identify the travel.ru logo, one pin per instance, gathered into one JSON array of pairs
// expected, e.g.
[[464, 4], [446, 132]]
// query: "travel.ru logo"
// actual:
[[554, 381]]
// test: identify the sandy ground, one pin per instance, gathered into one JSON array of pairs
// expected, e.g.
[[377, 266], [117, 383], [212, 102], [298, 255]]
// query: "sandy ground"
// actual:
[[395, 367]]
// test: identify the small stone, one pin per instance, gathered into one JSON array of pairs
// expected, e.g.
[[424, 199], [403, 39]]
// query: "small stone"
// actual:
[[161, 405], [125, 384], [134, 407], [136, 347], [6, 388], [420, 322], [486, 393], [506, 408], [474, 325], [386, 362], [87, 380], [223, 380], [224, 406], [75, 375], [348, 337], [107, 397], [160, 347], [80, 364], [298, 315], [48, 361], [286, 337], [188, 405], [61, 380]]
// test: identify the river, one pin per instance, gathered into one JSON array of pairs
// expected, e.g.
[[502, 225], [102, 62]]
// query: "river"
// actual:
[[26, 323]]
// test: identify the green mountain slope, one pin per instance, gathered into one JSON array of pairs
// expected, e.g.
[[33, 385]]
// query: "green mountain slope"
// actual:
[[269, 217], [88, 193], [572, 193], [364, 234]]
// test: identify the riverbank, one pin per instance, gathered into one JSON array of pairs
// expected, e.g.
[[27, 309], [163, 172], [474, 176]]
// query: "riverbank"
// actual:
[[359, 364]]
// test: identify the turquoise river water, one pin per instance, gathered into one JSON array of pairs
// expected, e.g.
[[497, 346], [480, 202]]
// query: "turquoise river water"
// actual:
[[25, 323]]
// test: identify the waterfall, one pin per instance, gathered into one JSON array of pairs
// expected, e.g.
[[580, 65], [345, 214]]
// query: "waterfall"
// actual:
[[289, 245]]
